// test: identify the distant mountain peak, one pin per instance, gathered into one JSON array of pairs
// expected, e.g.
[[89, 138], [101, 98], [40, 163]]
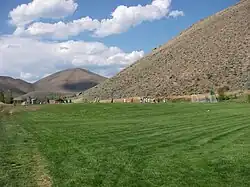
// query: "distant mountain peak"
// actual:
[[69, 80], [65, 81]]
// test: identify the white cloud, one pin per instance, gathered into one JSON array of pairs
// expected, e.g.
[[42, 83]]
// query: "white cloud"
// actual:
[[59, 30], [35, 59], [25, 75], [176, 13], [122, 19], [54, 9], [125, 17]]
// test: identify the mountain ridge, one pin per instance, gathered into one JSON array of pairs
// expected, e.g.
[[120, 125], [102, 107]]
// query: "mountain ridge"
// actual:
[[17, 86], [66, 81]]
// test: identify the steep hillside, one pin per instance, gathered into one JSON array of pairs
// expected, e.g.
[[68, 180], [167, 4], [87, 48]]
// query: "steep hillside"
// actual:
[[17, 86], [70, 80], [212, 53]]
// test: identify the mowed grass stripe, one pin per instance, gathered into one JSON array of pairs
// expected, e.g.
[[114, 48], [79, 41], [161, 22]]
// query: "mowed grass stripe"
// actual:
[[149, 142], [178, 140], [178, 144], [135, 134], [119, 127], [164, 109], [16, 164], [168, 132], [135, 137]]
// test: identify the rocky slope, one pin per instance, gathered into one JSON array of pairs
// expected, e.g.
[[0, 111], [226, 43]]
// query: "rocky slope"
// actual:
[[214, 52]]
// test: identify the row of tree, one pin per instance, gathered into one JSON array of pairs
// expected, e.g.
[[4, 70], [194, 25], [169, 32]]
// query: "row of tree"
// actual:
[[6, 97]]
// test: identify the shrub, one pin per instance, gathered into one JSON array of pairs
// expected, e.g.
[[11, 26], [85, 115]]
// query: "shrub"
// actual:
[[226, 88], [235, 96], [209, 76], [248, 98], [221, 93], [8, 97], [1, 97]]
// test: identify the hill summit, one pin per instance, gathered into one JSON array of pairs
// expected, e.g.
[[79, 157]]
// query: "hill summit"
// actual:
[[70, 80], [210, 54], [65, 82]]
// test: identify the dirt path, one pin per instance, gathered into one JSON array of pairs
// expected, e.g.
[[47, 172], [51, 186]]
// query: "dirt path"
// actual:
[[10, 109], [41, 173], [22, 144]]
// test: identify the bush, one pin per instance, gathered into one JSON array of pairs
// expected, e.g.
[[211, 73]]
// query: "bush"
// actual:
[[1, 97], [221, 93], [248, 98], [8, 98], [221, 97], [235, 96], [226, 88]]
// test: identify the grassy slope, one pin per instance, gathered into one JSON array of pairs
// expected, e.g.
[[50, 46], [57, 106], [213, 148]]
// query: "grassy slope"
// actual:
[[129, 145]]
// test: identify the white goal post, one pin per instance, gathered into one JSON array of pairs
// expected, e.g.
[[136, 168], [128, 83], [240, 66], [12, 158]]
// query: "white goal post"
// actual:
[[203, 98]]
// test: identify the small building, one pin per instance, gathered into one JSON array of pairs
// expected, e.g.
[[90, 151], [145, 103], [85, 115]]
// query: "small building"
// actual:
[[51, 101], [18, 100]]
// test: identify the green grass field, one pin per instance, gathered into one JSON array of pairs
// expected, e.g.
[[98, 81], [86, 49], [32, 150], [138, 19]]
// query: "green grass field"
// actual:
[[127, 145]]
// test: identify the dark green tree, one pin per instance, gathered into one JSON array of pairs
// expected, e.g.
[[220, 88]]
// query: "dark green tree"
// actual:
[[9, 97], [248, 80], [2, 96]]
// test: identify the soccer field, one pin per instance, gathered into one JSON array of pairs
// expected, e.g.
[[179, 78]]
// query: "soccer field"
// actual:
[[127, 145]]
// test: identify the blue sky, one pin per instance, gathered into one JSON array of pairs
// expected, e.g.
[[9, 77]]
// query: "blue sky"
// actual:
[[128, 41]]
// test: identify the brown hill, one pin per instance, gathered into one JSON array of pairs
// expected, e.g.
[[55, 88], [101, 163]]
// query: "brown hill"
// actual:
[[17, 86], [212, 53], [70, 80]]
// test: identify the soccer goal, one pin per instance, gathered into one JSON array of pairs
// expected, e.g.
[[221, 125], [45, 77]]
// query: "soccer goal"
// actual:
[[213, 99], [203, 99]]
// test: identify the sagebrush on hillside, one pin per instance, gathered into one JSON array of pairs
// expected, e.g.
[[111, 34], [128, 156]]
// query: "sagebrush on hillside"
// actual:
[[210, 54]]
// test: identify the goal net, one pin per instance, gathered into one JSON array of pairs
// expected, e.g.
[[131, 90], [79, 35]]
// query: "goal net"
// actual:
[[203, 98]]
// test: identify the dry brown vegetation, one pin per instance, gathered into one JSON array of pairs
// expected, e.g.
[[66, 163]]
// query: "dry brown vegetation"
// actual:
[[8, 109], [212, 53], [70, 80], [41, 173]]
